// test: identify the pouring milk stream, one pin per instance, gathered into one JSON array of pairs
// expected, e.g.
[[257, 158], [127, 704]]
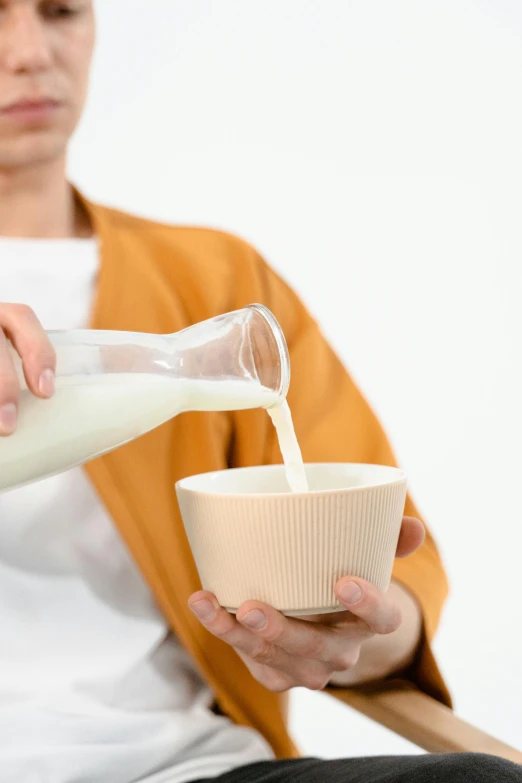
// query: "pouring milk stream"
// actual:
[[112, 387]]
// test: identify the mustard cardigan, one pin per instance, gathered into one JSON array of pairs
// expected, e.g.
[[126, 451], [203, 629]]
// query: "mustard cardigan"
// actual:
[[161, 279]]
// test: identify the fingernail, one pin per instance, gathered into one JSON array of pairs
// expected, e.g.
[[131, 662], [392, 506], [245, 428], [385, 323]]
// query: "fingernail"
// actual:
[[204, 610], [350, 593], [8, 418], [46, 383], [254, 619]]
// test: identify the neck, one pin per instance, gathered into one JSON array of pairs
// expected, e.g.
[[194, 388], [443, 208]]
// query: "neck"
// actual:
[[38, 202]]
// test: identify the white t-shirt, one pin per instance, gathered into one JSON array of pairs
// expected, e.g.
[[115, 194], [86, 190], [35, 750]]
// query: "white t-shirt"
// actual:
[[93, 687]]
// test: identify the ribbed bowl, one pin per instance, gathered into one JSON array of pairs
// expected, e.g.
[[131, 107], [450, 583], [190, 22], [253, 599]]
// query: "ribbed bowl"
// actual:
[[253, 539]]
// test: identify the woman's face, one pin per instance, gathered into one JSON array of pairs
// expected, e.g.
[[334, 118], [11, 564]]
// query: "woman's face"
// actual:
[[45, 55]]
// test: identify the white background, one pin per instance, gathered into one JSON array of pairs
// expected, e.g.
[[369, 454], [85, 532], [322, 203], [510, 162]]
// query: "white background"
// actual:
[[373, 152]]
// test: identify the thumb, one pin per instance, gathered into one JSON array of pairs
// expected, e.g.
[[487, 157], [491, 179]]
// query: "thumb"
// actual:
[[411, 537]]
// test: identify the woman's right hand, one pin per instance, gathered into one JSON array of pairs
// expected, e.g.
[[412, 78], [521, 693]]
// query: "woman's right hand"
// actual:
[[19, 324]]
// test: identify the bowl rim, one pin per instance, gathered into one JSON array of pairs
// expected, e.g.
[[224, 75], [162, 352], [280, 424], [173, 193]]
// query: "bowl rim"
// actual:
[[180, 486]]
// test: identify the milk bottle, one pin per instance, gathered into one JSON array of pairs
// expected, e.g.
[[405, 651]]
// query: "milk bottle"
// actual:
[[112, 387]]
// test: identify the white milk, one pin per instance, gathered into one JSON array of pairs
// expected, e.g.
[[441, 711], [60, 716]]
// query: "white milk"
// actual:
[[90, 415], [295, 472]]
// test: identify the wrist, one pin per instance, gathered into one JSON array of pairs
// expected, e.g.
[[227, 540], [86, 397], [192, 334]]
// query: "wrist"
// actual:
[[383, 656]]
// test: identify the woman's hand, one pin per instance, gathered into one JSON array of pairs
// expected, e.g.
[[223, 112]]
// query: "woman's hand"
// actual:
[[284, 652], [19, 324]]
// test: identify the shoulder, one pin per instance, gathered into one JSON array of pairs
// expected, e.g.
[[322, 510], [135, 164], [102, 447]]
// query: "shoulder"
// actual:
[[208, 246], [219, 270]]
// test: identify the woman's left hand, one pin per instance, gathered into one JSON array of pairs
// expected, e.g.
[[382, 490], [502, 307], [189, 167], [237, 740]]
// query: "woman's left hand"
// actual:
[[284, 652]]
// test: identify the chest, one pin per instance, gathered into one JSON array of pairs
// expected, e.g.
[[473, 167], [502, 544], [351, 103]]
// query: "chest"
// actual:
[[56, 278]]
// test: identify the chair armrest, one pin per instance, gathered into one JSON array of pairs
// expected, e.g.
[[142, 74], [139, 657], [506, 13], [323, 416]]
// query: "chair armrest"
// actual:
[[422, 720]]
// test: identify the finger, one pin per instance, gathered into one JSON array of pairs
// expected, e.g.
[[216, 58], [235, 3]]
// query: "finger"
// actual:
[[337, 646], [310, 674], [411, 537], [225, 626], [31, 342], [376, 609], [9, 389]]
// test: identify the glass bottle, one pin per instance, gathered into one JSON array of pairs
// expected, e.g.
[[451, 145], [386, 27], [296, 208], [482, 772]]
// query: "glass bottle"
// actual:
[[112, 387]]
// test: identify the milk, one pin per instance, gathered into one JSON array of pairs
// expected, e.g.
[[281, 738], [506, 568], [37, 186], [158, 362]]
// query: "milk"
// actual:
[[90, 415], [295, 472]]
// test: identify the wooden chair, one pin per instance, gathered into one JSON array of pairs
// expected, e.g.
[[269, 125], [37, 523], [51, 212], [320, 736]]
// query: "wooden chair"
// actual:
[[399, 706]]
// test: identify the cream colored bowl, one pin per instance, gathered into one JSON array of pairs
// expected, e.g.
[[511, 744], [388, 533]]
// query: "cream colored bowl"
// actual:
[[253, 539]]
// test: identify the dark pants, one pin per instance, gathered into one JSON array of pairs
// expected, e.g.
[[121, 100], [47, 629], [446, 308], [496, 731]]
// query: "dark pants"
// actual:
[[440, 768]]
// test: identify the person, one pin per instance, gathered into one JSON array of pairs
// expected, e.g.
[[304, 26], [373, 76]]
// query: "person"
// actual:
[[114, 666]]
